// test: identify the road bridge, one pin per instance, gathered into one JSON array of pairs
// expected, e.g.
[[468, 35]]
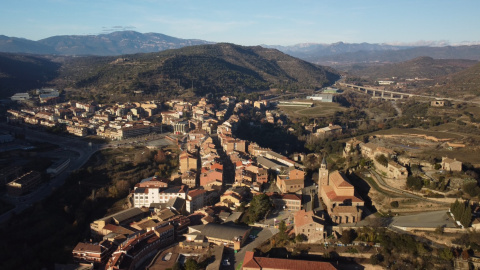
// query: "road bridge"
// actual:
[[378, 93]]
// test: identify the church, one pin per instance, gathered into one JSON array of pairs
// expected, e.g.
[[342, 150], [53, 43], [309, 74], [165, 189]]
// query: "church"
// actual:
[[343, 204]]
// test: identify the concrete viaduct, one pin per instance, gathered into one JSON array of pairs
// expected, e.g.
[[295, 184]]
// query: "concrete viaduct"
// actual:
[[378, 93]]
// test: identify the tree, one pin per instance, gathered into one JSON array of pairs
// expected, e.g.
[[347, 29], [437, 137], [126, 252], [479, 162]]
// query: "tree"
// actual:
[[300, 238], [382, 159], [414, 182], [376, 259], [394, 204], [259, 206], [446, 254], [348, 236], [282, 227], [191, 264], [160, 157], [471, 188]]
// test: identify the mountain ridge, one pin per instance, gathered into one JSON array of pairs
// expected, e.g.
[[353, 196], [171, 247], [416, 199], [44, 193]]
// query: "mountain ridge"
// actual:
[[131, 42], [214, 68]]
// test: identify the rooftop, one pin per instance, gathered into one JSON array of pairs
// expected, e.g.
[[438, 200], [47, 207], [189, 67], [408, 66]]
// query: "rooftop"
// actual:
[[251, 261]]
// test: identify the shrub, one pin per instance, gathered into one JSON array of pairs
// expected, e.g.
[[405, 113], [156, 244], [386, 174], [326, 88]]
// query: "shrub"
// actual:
[[394, 204]]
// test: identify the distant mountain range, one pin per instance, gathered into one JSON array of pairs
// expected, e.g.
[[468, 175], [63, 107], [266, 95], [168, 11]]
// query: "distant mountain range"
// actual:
[[116, 43], [131, 42], [217, 68]]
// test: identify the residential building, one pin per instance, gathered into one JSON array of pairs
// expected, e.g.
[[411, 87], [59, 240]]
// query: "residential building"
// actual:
[[92, 253], [189, 179], [397, 171], [211, 177], [291, 182], [120, 218], [331, 130], [77, 131], [195, 200], [291, 202], [313, 227], [451, 165], [187, 162], [144, 197], [132, 253], [251, 262]]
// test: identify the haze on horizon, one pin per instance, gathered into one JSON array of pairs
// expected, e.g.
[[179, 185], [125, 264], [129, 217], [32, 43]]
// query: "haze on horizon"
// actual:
[[248, 22]]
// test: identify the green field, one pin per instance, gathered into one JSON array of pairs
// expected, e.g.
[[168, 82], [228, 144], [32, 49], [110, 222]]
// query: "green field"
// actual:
[[319, 109]]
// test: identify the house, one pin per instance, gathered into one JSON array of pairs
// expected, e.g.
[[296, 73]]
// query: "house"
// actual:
[[292, 181], [211, 177], [331, 130], [351, 146], [313, 227], [231, 199], [397, 171], [189, 179], [452, 165], [251, 262]]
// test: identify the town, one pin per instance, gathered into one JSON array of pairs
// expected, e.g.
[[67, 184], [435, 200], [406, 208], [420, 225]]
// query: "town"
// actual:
[[216, 201]]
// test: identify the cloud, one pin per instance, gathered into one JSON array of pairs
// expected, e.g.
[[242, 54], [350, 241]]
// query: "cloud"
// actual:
[[110, 29]]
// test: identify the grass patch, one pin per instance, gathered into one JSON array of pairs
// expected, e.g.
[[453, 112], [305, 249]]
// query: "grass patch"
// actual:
[[239, 266], [318, 110]]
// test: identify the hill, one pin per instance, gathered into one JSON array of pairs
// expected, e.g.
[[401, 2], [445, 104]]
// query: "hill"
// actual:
[[465, 83], [421, 67], [116, 43], [20, 73], [218, 68]]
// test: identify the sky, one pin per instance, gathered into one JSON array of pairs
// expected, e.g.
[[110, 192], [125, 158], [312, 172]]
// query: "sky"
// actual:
[[252, 22]]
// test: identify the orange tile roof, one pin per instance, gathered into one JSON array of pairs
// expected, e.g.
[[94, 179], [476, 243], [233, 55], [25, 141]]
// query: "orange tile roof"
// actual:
[[332, 196], [339, 180], [302, 217]]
